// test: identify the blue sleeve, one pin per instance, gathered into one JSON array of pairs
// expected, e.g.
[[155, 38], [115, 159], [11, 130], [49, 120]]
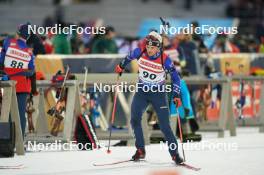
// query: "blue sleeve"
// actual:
[[31, 64], [135, 54], [175, 78], [4, 49]]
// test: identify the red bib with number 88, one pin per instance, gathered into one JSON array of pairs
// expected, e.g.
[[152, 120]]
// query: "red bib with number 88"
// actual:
[[17, 60]]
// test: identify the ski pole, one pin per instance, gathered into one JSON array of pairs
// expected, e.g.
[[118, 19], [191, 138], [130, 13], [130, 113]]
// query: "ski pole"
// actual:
[[113, 114], [180, 128]]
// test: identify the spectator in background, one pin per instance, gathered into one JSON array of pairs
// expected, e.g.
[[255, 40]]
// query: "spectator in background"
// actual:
[[88, 39], [190, 52], [224, 45], [198, 39], [49, 49], [260, 30], [77, 44], [175, 53], [241, 42], [35, 42], [48, 22], [252, 45], [61, 43], [105, 44], [89, 45], [185, 43], [261, 46]]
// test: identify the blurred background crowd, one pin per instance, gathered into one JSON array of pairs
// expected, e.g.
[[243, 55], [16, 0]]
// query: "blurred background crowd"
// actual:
[[121, 38]]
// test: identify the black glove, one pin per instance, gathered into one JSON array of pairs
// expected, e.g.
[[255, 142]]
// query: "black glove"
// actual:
[[33, 84]]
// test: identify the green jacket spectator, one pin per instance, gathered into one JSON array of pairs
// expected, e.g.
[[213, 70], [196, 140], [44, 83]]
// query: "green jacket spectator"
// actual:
[[105, 44], [61, 44]]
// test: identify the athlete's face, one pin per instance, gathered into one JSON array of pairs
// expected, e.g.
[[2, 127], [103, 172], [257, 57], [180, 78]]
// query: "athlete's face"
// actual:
[[152, 50]]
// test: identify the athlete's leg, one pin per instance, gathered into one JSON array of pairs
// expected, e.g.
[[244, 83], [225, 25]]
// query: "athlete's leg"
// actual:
[[160, 104], [138, 107]]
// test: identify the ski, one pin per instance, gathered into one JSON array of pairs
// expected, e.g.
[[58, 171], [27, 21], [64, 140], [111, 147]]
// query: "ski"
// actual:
[[12, 166], [189, 167], [117, 162], [112, 163]]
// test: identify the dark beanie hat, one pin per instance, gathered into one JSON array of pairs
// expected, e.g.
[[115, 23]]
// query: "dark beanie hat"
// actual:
[[23, 31]]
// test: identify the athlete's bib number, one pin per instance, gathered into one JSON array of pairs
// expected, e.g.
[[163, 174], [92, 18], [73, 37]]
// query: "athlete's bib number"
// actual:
[[16, 64], [149, 75]]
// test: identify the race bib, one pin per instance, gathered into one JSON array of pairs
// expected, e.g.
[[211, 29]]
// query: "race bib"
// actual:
[[151, 72], [16, 58]]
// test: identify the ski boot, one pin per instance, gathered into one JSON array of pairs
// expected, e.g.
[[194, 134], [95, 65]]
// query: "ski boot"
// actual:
[[140, 154], [177, 159]]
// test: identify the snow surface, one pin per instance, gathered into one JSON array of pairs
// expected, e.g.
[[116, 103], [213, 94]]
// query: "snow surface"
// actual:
[[245, 158]]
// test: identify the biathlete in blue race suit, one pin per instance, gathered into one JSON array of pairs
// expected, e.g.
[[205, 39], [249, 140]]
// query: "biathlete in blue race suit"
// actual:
[[153, 66]]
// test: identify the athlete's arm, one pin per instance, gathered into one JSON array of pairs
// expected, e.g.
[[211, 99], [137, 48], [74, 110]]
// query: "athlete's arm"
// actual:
[[3, 53], [135, 54], [175, 78], [31, 64]]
